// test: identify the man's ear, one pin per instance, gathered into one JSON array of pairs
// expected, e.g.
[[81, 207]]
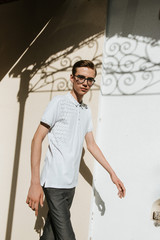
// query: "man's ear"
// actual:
[[72, 78]]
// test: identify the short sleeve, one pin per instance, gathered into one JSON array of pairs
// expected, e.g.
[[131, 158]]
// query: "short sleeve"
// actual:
[[90, 124], [50, 115]]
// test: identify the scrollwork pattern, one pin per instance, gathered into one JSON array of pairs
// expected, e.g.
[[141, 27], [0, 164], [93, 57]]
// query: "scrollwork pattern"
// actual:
[[109, 83], [132, 65], [54, 74]]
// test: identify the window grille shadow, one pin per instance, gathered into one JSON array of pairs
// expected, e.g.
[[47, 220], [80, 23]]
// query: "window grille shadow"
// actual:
[[131, 66], [131, 63], [53, 39], [69, 24]]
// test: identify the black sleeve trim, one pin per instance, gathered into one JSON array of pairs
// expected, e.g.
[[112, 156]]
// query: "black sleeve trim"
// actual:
[[45, 125]]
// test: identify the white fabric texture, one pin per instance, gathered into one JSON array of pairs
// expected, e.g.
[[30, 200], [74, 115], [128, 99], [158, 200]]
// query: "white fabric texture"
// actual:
[[69, 122]]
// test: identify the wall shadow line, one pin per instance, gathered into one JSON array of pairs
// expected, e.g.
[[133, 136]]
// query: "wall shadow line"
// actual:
[[87, 175], [22, 97], [51, 42]]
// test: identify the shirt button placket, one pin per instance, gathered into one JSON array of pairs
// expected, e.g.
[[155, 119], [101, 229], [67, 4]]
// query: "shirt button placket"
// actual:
[[78, 113]]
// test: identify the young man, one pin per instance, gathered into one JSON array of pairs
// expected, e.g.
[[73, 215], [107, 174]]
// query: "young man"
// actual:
[[67, 121]]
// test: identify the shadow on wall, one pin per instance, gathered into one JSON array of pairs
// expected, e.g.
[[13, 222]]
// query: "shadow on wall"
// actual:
[[70, 23], [42, 215], [138, 17], [86, 173], [20, 22], [131, 63], [156, 213], [44, 36], [131, 66]]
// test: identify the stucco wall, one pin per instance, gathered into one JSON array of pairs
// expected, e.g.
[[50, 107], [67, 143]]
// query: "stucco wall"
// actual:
[[46, 41], [128, 124]]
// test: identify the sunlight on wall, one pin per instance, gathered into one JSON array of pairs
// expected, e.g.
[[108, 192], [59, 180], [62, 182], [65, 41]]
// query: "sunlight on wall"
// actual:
[[54, 74], [131, 66], [35, 89], [129, 135]]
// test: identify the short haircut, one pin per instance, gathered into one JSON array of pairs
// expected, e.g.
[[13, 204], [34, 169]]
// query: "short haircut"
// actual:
[[83, 63]]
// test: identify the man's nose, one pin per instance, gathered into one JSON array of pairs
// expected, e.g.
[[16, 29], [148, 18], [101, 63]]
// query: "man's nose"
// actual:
[[85, 82]]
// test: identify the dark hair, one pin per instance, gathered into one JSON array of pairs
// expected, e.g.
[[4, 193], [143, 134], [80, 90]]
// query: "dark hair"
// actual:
[[83, 63]]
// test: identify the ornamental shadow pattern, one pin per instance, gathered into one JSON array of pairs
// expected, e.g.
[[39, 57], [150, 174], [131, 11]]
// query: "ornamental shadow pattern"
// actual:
[[131, 66], [43, 41], [51, 76]]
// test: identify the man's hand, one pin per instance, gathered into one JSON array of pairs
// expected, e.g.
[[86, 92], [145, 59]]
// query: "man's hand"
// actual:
[[119, 184], [35, 196]]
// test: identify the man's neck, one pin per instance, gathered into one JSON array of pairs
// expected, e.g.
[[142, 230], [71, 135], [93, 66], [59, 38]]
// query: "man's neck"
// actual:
[[76, 96]]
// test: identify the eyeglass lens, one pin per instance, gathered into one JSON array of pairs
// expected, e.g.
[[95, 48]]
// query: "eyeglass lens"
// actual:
[[82, 78]]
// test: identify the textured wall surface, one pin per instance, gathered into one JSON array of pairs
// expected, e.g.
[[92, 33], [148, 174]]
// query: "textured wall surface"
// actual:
[[128, 124], [40, 41]]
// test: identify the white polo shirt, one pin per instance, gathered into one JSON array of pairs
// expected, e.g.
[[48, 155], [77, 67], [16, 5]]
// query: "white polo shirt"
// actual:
[[69, 122]]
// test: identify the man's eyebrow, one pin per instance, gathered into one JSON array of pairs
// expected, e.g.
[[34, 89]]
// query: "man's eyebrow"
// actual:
[[84, 76]]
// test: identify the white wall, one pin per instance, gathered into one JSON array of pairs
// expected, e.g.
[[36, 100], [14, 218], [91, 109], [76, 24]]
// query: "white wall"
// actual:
[[129, 135]]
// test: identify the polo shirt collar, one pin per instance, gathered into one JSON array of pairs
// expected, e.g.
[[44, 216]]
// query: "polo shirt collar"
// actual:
[[75, 102]]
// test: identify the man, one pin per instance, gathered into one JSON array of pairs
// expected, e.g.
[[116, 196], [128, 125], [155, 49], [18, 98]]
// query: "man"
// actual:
[[67, 121]]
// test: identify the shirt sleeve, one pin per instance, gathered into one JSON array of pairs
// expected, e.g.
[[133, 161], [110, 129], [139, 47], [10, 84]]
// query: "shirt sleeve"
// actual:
[[90, 123], [50, 115]]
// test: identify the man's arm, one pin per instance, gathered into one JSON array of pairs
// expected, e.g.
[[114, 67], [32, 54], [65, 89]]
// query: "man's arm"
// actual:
[[35, 193], [98, 155]]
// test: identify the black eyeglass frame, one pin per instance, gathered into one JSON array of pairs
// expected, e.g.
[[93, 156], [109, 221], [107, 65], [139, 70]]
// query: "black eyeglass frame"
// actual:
[[84, 79]]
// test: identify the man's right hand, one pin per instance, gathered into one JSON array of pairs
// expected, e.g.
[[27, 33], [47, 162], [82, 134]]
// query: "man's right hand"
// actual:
[[34, 197]]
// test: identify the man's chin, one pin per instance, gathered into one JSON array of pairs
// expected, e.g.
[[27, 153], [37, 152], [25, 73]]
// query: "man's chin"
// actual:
[[83, 92]]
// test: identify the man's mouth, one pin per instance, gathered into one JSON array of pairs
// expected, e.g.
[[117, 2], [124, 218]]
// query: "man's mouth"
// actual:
[[84, 89]]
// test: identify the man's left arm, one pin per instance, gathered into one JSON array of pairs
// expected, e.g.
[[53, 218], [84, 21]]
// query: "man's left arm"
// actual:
[[98, 155]]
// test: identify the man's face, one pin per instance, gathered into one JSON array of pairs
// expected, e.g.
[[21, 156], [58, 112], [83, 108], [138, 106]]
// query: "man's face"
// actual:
[[80, 85]]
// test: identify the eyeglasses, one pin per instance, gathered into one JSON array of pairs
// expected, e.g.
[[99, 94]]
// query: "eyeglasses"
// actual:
[[82, 79]]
